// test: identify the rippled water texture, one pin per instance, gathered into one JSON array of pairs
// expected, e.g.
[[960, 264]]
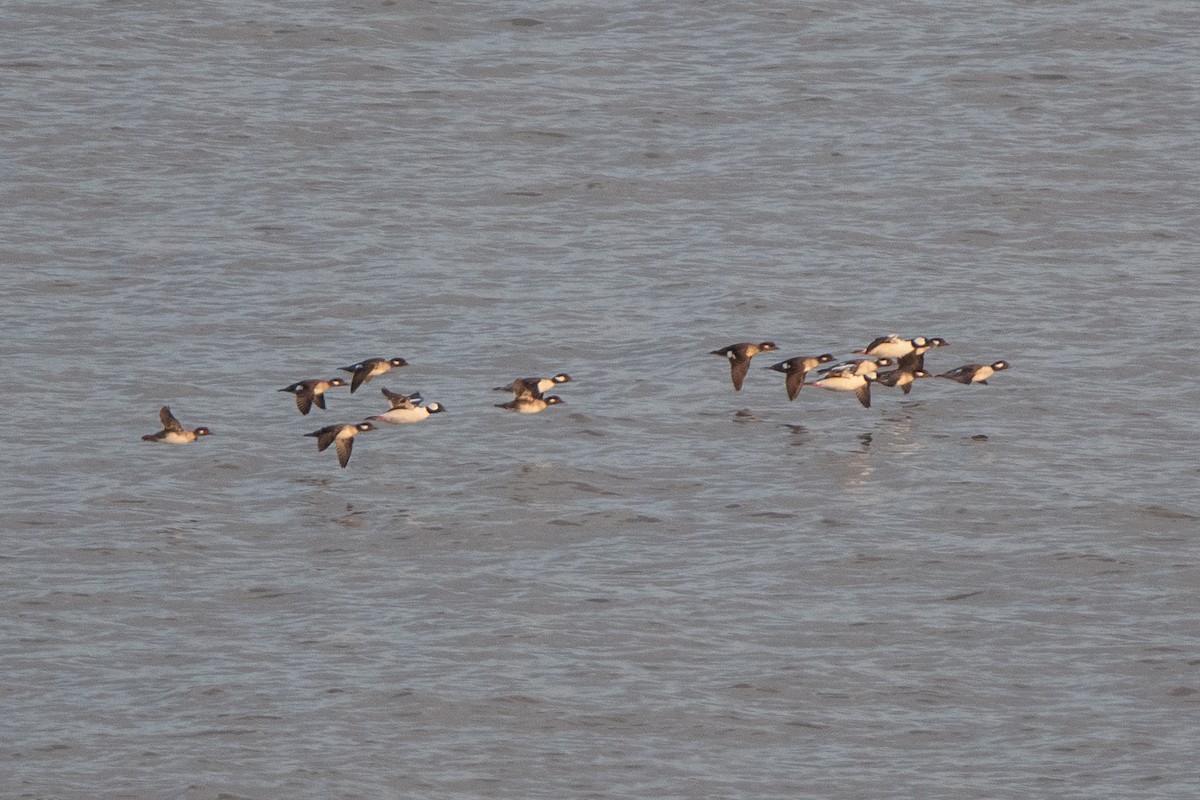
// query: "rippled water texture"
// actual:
[[661, 589]]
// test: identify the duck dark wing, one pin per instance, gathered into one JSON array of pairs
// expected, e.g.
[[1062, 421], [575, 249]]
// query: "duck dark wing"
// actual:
[[344, 448], [523, 391], [304, 400], [325, 437], [863, 393], [361, 376], [361, 372], [889, 378], [399, 400], [876, 343], [526, 387], [319, 399], [738, 367], [169, 423], [962, 374], [795, 382]]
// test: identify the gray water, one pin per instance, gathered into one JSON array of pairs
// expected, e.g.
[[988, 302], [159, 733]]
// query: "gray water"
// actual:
[[661, 589]]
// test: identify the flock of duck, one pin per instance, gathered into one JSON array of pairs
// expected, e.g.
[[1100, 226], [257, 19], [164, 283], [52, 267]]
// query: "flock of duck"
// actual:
[[529, 397], [890, 360], [905, 357]]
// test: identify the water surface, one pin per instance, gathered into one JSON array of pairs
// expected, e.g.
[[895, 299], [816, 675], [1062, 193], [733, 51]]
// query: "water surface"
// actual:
[[661, 589]]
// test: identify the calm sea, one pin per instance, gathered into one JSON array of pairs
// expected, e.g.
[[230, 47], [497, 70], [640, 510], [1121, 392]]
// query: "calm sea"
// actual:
[[661, 589]]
